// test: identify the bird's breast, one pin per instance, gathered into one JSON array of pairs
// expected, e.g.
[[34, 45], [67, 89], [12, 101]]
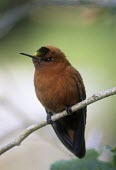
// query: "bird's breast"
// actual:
[[55, 91]]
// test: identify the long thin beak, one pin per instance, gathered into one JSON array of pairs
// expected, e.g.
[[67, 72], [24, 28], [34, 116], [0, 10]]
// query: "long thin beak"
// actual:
[[31, 56]]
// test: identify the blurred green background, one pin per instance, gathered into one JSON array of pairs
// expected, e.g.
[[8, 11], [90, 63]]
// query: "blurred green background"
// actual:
[[87, 35]]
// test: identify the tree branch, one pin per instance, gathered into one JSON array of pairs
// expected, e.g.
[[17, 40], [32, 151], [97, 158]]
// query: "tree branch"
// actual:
[[17, 141]]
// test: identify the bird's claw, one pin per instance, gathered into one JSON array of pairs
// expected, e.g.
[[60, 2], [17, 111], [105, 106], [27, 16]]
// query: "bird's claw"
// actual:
[[49, 120], [69, 110]]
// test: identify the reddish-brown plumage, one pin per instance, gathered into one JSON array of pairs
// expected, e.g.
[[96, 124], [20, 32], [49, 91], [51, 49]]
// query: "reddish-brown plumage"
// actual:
[[58, 85], [55, 84]]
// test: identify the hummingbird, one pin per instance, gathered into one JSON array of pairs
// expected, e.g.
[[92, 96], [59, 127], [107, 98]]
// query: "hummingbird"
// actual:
[[58, 86]]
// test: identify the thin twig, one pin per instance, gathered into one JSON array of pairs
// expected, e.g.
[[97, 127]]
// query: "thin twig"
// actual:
[[17, 141]]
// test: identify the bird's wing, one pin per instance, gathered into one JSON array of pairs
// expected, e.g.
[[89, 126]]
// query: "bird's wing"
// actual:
[[76, 143], [79, 139]]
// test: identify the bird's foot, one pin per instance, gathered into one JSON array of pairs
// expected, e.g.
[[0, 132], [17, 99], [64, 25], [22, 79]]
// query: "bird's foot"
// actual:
[[69, 110], [48, 118]]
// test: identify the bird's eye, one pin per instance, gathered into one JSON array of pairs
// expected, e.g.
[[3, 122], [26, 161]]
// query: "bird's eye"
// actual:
[[48, 59]]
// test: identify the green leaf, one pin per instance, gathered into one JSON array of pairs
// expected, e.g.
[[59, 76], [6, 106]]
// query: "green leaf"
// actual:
[[91, 154]]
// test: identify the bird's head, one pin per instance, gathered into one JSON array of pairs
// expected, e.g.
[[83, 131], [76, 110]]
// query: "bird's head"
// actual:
[[48, 56]]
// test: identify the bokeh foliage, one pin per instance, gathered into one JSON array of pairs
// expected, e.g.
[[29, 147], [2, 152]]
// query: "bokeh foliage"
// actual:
[[87, 35], [90, 162]]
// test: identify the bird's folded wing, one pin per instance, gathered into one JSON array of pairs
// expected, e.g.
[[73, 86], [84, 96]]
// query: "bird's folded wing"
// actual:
[[77, 146]]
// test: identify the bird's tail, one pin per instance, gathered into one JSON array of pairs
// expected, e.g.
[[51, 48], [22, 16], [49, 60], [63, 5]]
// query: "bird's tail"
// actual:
[[77, 145], [79, 139]]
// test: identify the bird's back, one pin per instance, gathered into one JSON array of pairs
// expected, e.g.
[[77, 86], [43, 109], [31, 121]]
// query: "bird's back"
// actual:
[[71, 129]]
